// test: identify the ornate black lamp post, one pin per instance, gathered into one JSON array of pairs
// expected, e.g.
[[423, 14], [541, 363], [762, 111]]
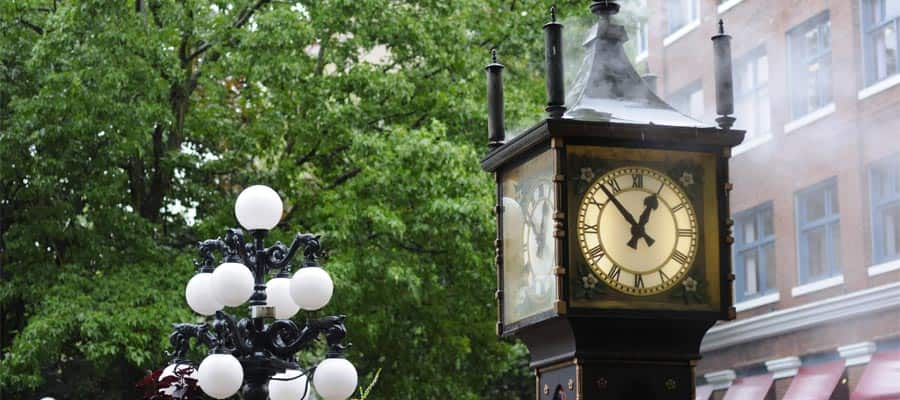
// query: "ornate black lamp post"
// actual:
[[256, 355]]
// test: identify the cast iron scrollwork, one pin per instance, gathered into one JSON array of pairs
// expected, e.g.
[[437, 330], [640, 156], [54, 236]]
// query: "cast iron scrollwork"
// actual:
[[264, 349]]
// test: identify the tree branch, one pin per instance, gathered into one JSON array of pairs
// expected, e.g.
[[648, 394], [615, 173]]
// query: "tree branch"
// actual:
[[345, 177], [29, 25], [245, 15]]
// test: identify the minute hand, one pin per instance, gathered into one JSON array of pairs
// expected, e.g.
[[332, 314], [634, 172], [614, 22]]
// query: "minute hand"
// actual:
[[622, 210]]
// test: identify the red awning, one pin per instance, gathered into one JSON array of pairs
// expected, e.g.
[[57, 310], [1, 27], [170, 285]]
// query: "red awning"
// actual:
[[815, 382], [750, 388], [703, 392], [881, 379]]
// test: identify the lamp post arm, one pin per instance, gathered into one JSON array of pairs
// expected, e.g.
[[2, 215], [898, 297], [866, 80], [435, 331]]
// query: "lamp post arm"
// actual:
[[312, 249]]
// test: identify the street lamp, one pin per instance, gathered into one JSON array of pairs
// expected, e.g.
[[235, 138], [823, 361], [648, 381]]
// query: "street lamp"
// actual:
[[256, 355]]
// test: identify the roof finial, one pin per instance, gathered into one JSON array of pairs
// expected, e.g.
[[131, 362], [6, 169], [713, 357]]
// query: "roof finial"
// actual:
[[721, 27], [605, 8], [553, 13], [494, 55]]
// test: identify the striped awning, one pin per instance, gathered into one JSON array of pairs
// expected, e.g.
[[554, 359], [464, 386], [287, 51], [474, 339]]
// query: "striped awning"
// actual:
[[881, 379], [750, 388], [816, 382]]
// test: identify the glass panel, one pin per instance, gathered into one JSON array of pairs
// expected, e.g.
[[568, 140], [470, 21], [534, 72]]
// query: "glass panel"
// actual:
[[751, 272], [765, 222], [826, 36], [885, 52], [833, 194], [529, 252], [817, 253], [891, 234], [891, 8], [874, 12], [768, 257], [812, 86], [675, 14], [892, 170], [749, 230], [762, 70], [764, 117], [836, 246], [811, 42], [813, 206]]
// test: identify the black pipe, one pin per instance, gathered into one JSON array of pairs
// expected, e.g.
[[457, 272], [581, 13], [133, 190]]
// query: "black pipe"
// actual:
[[496, 130], [556, 91]]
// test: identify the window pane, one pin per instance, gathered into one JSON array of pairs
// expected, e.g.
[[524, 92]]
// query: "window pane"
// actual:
[[765, 125], [749, 230], [817, 252], [751, 277], [833, 194], [813, 206], [811, 42], [891, 8], [835, 244], [884, 47], [762, 70], [765, 222], [873, 12], [768, 257], [825, 36], [891, 228]]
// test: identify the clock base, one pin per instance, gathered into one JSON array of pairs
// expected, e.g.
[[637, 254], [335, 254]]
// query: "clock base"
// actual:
[[615, 358]]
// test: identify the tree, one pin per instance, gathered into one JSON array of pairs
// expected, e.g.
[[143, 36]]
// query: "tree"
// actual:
[[127, 130]]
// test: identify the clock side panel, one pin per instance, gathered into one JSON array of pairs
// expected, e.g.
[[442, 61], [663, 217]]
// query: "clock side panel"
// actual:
[[699, 290], [528, 199]]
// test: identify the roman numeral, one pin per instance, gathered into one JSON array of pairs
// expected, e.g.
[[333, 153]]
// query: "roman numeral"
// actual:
[[614, 185], [637, 181], [685, 233], [638, 281], [662, 276], [597, 253], [593, 200], [591, 228], [614, 272], [678, 207], [679, 257]]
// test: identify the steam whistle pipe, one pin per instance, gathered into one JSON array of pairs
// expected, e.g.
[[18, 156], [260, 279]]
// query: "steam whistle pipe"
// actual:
[[724, 78], [496, 130], [556, 91]]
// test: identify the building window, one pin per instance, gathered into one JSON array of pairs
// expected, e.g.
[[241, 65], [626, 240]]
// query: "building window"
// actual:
[[880, 26], [809, 47], [689, 100], [884, 185], [754, 252], [682, 13], [819, 232], [642, 31], [752, 94]]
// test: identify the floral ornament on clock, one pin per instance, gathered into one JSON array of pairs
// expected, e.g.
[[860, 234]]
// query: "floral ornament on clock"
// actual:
[[690, 290]]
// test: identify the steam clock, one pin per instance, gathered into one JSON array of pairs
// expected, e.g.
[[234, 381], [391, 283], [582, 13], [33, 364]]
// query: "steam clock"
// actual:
[[613, 244]]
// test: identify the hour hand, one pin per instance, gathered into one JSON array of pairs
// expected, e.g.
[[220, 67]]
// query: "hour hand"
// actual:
[[638, 230]]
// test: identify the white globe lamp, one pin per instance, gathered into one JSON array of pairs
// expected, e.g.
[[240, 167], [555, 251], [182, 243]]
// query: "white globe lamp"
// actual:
[[311, 288], [258, 207], [199, 295], [278, 294], [232, 284], [335, 379], [289, 385], [220, 375]]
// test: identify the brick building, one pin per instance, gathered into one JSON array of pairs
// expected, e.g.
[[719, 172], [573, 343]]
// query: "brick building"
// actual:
[[816, 202]]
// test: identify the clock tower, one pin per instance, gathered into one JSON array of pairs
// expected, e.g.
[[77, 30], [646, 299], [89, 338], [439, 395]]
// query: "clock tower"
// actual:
[[613, 245]]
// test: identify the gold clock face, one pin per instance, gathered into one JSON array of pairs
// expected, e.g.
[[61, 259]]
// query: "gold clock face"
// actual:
[[637, 231]]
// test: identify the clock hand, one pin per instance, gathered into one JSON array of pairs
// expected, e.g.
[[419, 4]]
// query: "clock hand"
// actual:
[[619, 206], [638, 231], [541, 227]]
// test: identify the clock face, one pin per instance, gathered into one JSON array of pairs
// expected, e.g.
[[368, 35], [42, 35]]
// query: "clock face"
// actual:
[[529, 244], [637, 231]]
